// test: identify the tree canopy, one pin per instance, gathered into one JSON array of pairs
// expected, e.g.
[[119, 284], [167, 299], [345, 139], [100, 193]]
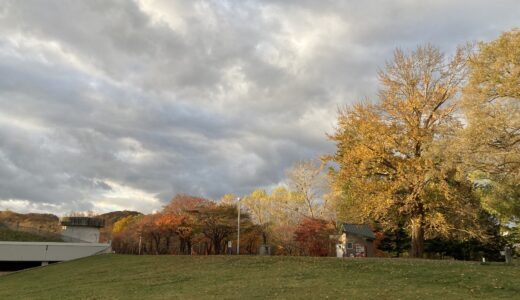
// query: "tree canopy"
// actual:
[[391, 165]]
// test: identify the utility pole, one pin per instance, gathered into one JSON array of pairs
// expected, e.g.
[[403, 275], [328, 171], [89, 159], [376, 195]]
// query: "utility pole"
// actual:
[[139, 244], [238, 225]]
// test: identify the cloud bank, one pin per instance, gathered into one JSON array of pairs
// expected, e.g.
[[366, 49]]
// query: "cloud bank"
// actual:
[[109, 105]]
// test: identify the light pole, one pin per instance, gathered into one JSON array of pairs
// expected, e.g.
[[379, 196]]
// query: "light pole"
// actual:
[[238, 225], [139, 244]]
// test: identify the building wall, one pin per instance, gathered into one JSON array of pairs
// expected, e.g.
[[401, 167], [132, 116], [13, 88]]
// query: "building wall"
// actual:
[[357, 242], [83, 233]]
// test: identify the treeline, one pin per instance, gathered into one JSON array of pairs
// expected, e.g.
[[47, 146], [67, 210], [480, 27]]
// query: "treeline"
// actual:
[[190, 225]]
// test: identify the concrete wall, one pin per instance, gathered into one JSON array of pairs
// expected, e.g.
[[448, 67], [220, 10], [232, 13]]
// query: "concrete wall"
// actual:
[[48, 251], [83, 233]]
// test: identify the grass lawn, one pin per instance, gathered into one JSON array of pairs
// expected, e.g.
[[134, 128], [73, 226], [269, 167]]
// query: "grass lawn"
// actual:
[[20, 236], [253, 277]]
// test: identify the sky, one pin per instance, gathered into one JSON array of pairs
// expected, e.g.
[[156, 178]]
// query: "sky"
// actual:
[[113, 105]]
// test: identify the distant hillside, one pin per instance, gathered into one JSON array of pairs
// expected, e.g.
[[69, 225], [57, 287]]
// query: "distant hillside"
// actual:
[[43, 222], [114, 216], [111, 218]]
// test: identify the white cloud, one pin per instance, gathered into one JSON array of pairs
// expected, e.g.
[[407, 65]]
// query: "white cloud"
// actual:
[[123, 197]]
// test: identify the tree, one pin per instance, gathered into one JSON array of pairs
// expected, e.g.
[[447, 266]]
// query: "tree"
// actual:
[[394, 241], [287, 207], [125, 236], [183, 202], [228, 199], [277, 215], [309, 182], [166, 226], [313, 236], [152, 237], [251, 239], [500, 196], [392, 167], [185, 231], [218, 223], [261, 208], [282, 236], [179, 211], [491, 140]]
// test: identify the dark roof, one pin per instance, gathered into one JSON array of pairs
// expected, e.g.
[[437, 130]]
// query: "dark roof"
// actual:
[[82, 221], [358, 229]]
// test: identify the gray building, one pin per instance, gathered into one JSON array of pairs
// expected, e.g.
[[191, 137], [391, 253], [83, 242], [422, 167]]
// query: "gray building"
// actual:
[[83, 229]]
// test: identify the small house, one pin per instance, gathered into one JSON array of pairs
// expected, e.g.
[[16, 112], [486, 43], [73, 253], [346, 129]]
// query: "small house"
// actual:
[[356, 240]]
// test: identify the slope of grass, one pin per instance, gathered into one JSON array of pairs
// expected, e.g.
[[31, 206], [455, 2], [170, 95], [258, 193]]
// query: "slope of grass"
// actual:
[[253, 277], [20, 236]]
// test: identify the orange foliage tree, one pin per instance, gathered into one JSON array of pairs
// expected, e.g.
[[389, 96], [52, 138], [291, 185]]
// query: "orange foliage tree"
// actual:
[[313, 236]]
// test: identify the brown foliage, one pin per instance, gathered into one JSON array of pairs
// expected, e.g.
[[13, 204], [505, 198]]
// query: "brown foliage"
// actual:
[[313, 236], [283, 240], [182, 203]]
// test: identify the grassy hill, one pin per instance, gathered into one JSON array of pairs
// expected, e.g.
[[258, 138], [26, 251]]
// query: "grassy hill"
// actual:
[[19, 236], [28, 227], [246, 277]]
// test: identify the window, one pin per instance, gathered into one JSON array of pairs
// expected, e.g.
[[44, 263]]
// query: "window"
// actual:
[[349, 246]]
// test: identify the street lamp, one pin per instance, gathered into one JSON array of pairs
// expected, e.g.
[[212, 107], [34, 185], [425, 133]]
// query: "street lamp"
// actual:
[[140, 238], [238, 225]]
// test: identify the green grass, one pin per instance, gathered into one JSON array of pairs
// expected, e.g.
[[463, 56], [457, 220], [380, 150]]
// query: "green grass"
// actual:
[[20, 236], [253, 277]]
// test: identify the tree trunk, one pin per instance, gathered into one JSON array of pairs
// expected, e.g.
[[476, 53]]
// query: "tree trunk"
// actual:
[[167, 250], [399, 234], [185, 246], [417, 238], [208, 248], [216, 245], [398, 243], [157, 240], [182, 246]]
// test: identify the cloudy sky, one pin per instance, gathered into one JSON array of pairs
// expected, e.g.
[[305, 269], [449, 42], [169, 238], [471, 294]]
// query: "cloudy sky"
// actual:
[[109, 105]]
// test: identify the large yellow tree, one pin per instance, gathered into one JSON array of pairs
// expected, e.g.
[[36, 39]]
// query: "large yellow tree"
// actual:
[[491, 105], [392, 167]]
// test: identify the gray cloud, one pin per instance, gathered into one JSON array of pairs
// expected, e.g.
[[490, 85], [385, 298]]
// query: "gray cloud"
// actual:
[[121, 104]]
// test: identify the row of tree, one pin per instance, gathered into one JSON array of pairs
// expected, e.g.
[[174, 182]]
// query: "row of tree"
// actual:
[[193, 225]]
